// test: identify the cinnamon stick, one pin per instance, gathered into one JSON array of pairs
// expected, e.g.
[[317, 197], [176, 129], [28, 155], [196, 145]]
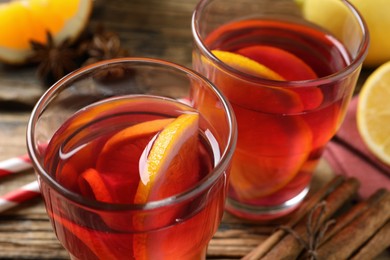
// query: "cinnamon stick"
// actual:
[[353, 213], [306, 206], [377, 244], [290, 247], [354, 235]]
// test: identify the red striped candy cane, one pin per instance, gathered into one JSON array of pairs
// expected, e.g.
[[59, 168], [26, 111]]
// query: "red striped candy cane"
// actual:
[[22, 194], [14, 165]]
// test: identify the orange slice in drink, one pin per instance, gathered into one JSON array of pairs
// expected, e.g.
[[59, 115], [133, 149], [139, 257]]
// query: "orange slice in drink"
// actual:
[[116, 176], [168, 165], [286, 64], [247, 65], [290, 67], [103, 245], [250, 93], [92, 181], [117, 164], [24, 20], [270, 152], [121, 152]]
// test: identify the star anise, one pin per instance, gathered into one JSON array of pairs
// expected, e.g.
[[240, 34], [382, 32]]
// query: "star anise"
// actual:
[[55, 60], [104, 45]]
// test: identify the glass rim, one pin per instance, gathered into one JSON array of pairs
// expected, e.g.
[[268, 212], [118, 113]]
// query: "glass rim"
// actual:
[[355, 62], [202, 185]]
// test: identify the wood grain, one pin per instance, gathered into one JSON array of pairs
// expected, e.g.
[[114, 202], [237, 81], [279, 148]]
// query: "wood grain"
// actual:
[[148, 28]]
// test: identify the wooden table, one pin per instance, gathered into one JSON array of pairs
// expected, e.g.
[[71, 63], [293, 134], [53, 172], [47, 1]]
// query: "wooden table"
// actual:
[[151, 28]]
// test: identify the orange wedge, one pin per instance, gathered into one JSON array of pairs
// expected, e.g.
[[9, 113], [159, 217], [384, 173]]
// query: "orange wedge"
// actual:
[[91, 181], [247, 93], [170, 160], [117, 164], [290, 67], [270, 153], [24, 20], [116, 176], [121, 152], [101, 244], [170, 166], [246, 65], [282, 62]]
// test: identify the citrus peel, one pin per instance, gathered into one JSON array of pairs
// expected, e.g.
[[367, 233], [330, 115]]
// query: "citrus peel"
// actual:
[[290, 67], [263, 165], [246, 93], [286, 64], [118, 153], [92, 181], [246, 65], [166, 152], [373, 113], [63, 19]]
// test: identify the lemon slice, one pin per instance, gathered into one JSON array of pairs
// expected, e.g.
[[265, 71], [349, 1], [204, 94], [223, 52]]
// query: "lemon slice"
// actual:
[[246, 65], [374, 14], [373, 112], [174, 147], [24, 20]]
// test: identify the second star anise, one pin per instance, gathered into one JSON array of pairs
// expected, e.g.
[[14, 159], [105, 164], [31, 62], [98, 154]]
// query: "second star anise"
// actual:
[[104, 45]]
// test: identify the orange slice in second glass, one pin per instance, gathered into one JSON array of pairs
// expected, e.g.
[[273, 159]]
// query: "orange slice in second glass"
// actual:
[[252, 94]]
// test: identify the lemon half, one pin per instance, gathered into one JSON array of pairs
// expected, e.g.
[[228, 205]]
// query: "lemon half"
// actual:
[[373, 112]]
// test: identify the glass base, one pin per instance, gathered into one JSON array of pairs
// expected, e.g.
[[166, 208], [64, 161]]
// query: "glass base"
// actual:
[[262, 213], [201, 255]]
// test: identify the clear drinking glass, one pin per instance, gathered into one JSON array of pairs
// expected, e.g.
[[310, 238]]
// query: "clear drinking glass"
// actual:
[[88, 137], [289, 76]]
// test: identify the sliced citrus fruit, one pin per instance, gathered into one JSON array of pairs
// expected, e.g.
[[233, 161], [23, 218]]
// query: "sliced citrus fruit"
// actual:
[[290, 67], [68, 176], [24, 20], [92, 182], [116, 177], [246, 65], [375, 16], [121, 153], [101, 244], [263, 165], [286, 64], [373, 112], [170, 166], [170, 161], [118, 161], [117, 164], [247, 93], [109, 188]]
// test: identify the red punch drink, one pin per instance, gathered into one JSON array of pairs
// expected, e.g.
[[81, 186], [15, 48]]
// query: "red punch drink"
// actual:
[[292, 126], [133, 176], [280, 76], [103, 160]]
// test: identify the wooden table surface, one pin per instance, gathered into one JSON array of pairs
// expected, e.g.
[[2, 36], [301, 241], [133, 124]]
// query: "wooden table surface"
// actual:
[[149, 28]]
